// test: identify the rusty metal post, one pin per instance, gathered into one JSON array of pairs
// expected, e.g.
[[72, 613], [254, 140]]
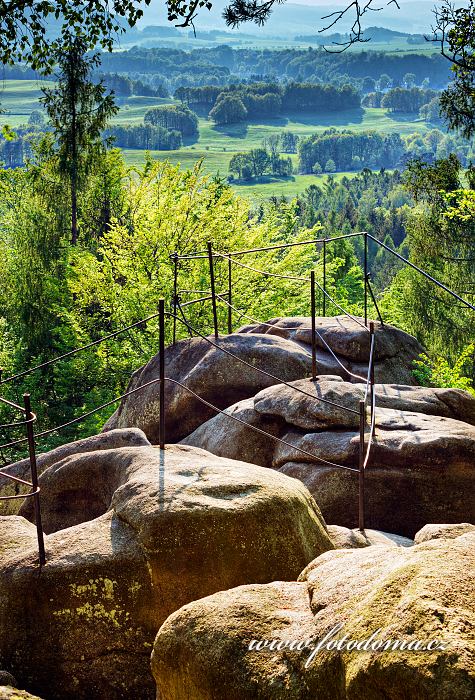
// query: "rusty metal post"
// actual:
[[361, 512], [230, 297], [312, 312], [161, 310], [371, 370], [213, 288], [175, 292], [324, 278], [34, 477], [365, 264]]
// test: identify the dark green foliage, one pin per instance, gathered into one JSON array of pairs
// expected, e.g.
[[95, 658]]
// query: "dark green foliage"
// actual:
[[173, 117], [402, 100], [144, 137], [79, 110], [353, 150], [373, 149], [229, 109], [258, 162], [455, 29]]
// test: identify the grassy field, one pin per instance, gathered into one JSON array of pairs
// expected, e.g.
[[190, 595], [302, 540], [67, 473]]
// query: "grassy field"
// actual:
[[216, 145]]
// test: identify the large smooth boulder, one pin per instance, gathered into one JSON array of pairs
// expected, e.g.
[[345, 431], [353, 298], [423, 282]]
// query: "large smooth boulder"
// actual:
[[377, 594], [344, 538], [349, 339], [213, 374], [231, 368], [130, 437], [422, 460], [445, 531], [134, 534]]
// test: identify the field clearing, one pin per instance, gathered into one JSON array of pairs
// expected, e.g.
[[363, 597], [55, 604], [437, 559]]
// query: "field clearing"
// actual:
[[18, 98], [217, 144]]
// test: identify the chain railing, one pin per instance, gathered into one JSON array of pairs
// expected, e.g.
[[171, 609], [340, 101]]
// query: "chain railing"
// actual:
[[366, 429], [27, 423]]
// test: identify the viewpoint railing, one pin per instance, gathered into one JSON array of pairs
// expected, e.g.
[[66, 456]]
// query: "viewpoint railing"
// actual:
[[365, 406]]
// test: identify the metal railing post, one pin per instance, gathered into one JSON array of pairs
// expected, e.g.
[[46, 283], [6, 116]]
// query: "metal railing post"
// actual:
[[175, 292], [365, 264], [230, 297], [34, 477], [161, 350], [361, 510], [324, 278], [373, 298], [312, 312], [213, 288], [371, 369]]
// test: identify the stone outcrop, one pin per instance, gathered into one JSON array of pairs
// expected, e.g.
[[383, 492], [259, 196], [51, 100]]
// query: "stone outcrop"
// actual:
[[131, 437], [9, 693], [434, 531], [348, 338], [344, 538], [134, 534], [383, 594], [213, 374], [422, 460]]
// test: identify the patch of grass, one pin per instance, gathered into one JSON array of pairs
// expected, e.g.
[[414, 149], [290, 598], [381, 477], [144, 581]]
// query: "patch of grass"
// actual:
[[216, 145], [18, 98]]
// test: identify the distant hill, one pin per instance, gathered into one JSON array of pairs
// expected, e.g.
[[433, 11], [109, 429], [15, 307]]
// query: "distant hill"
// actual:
[[376, 34], [290, 19]]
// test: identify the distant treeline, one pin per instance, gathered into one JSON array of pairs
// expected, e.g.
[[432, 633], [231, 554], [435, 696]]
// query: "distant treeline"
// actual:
[[258, 162], [144, 137], [168, 69], [333, 150], [223, 65], [16, 146], [124, 86], [237, 103], [173, 117], [400, 99]]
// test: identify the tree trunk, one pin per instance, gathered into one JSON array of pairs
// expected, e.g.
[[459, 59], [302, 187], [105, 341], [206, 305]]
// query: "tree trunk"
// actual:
[[74, 208]]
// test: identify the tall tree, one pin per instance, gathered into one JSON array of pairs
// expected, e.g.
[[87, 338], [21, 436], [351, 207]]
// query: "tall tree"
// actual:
[[455, 31], [79, 110]]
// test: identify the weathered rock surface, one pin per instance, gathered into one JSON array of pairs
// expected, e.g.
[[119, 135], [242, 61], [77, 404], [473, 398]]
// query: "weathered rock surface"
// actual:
[[9, 693], [344, 538], [147, 531], [212, 374], [131, 437], [314, 412], [421, 469], [442, 531], [348, 338], [225, 434], [222, 380], [425, 593], [422, 460]]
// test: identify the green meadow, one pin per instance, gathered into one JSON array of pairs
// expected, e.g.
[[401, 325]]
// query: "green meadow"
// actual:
[[216, 145]]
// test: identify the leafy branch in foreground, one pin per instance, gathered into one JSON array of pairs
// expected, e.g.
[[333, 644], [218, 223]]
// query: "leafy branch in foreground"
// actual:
[[32, 32], [257, 11], [454, 30], [438, 371]]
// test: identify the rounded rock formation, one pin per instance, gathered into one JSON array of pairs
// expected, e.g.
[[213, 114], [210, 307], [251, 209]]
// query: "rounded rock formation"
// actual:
[[376, 595], [135, 533]]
